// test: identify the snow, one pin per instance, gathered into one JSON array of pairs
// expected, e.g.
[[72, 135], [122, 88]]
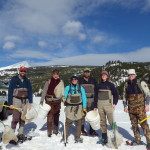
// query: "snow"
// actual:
[[40, 141], [17, 65]]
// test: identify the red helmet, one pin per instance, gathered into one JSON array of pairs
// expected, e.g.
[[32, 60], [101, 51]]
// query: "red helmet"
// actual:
[[22, 68]]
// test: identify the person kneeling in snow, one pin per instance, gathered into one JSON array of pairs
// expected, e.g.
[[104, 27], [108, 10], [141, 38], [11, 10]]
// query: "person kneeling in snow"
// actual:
[[75, 106]]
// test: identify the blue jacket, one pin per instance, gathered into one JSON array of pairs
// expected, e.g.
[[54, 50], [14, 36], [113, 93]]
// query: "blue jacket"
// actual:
[[75, 90], [13, 84]]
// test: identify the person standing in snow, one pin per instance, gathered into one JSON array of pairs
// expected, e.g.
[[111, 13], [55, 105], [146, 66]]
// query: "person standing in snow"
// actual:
[[136, 97], [52, 93], [90, 86], [75, 97], [107, 101], [19, 94]]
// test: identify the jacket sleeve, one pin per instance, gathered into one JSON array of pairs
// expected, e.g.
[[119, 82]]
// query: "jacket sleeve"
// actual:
[[125, 104], [146, 92], [45, 88], [66, 92], [84, 99], [30, 96], [115, 94], [95, 94], [10, 92]]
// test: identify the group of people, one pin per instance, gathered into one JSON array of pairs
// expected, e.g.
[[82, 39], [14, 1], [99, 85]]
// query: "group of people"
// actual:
[[82, 95]]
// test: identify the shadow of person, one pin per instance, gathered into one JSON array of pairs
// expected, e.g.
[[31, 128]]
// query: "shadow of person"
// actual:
[[29, 127], [125, 133], [44, 127]]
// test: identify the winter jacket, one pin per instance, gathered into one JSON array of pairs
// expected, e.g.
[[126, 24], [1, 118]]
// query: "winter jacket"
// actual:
[[133, 88], [18, 82], [110, 86], [75, 89]]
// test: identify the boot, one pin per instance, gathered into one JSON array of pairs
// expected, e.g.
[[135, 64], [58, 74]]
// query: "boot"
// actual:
[[148, 146], [103, 140], [49, 134], [21, 138], [137, 142], [78, 140], [55, 132], [92, 132], [13, 142], [83, 132]]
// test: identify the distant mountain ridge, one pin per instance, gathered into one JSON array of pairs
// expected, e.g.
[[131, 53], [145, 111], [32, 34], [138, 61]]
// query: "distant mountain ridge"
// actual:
[[17, 65], [118, 73]]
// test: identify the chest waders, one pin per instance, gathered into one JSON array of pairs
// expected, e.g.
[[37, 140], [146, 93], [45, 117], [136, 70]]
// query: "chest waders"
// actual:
[[74, 107], [89, 90], [105, 109]]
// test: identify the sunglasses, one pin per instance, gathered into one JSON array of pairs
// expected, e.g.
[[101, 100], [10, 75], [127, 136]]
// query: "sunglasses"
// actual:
[[22, 71], [73, 79], [131, 74]]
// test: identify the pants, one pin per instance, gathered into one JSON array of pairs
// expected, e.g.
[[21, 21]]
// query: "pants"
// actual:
[[138, 114], [78, 124], [16, 116], [53, 116], [105, 110]]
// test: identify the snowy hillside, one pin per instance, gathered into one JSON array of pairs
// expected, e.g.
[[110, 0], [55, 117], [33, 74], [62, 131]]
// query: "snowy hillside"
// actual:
[[40, 141], [17, 65]]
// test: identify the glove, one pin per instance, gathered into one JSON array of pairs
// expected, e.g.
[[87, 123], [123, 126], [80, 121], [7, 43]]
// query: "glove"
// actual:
[[83, 112], [63, 99], [41, 102]]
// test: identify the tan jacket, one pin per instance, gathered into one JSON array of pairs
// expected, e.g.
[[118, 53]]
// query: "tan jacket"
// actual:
[[58, 91]]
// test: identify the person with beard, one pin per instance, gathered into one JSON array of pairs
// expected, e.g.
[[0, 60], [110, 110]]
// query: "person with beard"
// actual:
[[19, 94], [136, 98], [52, 93], [90, 86]]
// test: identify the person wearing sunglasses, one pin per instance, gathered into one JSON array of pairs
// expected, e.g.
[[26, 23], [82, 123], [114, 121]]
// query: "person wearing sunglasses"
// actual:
[[19, 94], [75, 106], [136, 98]]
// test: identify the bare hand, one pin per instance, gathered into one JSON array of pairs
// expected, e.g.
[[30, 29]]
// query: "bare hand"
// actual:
[[11, 107], [126, 109], [146, 108], [113, 106], [95, 109]]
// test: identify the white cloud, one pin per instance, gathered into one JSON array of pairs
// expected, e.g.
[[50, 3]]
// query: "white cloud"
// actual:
[[42, 44], [98, 39], [141, 55], [12, 38], [74, 28], [9, 45], [41, 16], [31, 54]]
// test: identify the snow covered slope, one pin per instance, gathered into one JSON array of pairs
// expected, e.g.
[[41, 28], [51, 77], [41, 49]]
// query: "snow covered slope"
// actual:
[[17, 65], [42, 142]]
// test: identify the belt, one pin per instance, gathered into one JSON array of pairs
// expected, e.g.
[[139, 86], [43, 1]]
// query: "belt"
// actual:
[[134, 105]]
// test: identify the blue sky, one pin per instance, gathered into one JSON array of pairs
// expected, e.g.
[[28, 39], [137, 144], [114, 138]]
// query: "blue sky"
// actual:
[[54, 32]]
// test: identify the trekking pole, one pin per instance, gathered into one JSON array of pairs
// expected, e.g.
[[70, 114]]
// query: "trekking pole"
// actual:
[[8, 106], [65, 140]]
